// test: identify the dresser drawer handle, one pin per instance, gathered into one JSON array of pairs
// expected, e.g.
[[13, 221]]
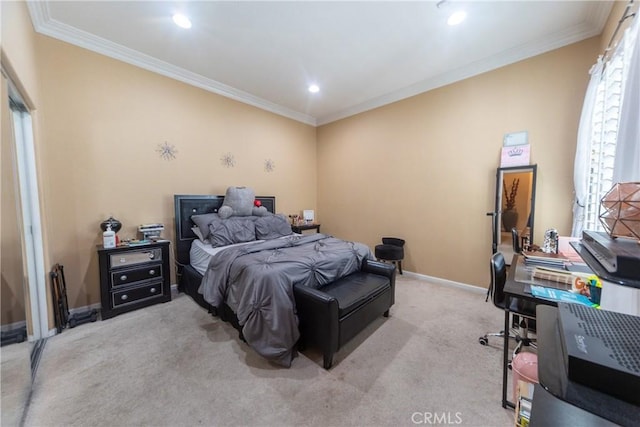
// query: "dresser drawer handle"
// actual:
[[152, 255], [152, 272], [123, 259], [153, 290], [124, 297], [123, 277]]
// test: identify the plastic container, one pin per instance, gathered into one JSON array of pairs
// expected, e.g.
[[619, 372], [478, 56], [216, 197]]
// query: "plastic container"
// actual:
[[525, 368], [109, 238]]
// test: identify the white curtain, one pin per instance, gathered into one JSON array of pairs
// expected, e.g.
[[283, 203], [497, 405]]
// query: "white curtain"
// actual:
[[583, 148], [626, 167]]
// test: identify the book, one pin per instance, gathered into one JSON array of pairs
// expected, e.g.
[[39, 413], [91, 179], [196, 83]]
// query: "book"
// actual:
[[560, 296], [139, 242], [543, 258], [576, 280], [524, 401]]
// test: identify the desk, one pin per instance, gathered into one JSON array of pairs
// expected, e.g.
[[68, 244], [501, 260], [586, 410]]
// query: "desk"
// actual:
[[547, 410], [516, 290], [562, 392], [300, 228]]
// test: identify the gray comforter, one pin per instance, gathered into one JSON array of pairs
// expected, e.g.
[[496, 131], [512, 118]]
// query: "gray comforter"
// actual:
[[256, 281]]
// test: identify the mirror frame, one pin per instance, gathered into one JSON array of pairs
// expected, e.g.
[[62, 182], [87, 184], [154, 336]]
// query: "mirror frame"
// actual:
[[497, 214]]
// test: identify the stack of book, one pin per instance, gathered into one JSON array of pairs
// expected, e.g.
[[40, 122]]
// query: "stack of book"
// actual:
[[524, 399], [544, 259], [553, 274], [576, 280]]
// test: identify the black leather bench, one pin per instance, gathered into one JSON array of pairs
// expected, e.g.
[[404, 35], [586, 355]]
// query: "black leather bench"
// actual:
[[332, 315]]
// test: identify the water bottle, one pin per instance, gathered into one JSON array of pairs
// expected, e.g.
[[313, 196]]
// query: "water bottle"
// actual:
[[109, 238]]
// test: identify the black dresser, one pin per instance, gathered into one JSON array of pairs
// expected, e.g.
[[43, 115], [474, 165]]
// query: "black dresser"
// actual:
[[132, 277]]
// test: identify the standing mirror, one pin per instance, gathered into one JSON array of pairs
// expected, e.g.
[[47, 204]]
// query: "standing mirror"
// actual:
[[514, 208]]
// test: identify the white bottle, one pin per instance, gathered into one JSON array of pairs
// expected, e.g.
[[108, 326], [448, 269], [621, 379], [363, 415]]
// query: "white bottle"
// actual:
[[109, 238]]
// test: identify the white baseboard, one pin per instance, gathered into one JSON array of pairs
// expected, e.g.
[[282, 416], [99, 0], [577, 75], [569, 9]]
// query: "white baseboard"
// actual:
[[51, 332], [445, 282], [96, 306]]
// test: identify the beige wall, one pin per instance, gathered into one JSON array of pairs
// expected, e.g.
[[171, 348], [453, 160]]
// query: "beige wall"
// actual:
[[104, 119], [423, 169]]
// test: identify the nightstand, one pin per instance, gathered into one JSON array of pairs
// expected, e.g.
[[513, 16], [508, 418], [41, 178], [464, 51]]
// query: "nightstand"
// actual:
[[132, 277], [300, 228]]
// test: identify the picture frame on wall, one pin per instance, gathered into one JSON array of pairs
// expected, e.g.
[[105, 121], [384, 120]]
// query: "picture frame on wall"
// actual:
[[518, 155]]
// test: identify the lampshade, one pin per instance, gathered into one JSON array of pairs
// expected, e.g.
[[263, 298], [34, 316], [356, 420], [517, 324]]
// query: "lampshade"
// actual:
[[620, 210]]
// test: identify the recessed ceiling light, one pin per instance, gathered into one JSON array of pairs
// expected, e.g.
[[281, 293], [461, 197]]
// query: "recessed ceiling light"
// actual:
[[457, 17], [181, 20], [314, 89]]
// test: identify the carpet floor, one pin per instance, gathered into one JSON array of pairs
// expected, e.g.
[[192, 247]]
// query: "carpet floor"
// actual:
[[174, 364]]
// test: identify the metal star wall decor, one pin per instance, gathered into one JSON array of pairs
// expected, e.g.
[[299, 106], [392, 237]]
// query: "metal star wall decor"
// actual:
[[167, 151], [228, 160], [269, 165]]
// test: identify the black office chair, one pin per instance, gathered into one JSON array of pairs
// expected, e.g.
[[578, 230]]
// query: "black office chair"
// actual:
[[516, 240], [525, 310]]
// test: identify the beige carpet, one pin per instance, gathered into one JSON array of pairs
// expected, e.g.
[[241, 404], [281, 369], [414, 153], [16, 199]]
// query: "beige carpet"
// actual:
[[15, 381], [174, 365]]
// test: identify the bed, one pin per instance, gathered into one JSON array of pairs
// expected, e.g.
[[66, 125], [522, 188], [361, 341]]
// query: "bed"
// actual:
[[250, 284]]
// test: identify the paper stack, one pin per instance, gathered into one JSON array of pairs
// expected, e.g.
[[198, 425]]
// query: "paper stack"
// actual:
[[544, 259]]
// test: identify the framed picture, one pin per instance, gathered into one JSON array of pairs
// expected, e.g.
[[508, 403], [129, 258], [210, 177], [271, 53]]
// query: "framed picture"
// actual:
[[308, 216], [515, 138], [517, 155]]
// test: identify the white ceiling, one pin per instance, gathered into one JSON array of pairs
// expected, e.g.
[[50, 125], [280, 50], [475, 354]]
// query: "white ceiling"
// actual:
[[362, 54]]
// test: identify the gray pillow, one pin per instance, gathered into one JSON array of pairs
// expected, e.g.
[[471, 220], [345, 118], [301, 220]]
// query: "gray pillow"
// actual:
[[198, 233], [203, 221], [232, 230], [272, 227]]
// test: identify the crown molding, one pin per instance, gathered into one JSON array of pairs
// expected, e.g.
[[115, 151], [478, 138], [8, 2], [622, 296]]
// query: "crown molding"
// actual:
[[560, 39], [598, 14], [44, 24]]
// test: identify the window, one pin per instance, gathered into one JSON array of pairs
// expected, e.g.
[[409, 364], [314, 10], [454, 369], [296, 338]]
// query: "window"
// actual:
[[606, 114]]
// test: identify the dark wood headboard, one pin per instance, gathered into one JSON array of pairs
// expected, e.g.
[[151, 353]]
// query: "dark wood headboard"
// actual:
[[187, 205]]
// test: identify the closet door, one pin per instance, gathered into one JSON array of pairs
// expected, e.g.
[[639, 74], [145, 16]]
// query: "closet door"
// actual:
[[16, 372], [24, 294]]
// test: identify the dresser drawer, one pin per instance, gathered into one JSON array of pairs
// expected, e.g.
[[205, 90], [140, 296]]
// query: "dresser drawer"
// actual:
[[131, 295], [128, 276], [128, 258]]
